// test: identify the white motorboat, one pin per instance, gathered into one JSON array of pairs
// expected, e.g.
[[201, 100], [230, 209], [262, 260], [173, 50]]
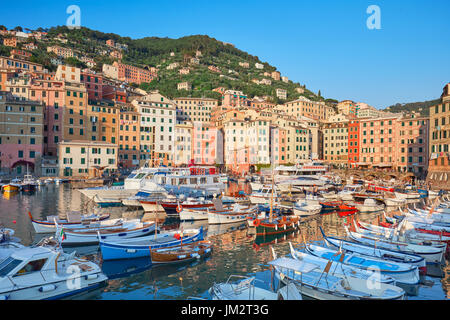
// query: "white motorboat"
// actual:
[[37, 273], [73, 220], [347, 193], [243, 288], [263, 195], [303, 209], [369, 205]]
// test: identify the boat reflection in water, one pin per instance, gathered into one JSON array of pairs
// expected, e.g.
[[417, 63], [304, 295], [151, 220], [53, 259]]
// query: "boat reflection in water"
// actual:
[[266, 240], [115, 269]]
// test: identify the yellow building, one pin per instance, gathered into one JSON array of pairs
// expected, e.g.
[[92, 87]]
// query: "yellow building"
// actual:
[[82, 159]]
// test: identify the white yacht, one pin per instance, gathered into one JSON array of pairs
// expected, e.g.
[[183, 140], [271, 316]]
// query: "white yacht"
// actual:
[[295, 178], [172, 179]]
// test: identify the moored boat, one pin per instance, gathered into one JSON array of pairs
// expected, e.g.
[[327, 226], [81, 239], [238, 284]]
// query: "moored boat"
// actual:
[[95, 232], [182, 252], [317, 283], [73, 220], [429, 253], [140, 246], [38, 273]]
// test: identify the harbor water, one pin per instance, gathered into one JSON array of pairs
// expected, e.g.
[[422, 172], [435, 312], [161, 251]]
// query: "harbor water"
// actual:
[[236, 250]]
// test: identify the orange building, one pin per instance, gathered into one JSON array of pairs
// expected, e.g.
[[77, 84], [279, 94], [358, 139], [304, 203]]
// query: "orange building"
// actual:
[[129, 137], [104, 119]]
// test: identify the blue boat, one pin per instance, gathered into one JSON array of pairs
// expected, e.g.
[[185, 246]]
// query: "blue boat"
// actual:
[[140, 246]]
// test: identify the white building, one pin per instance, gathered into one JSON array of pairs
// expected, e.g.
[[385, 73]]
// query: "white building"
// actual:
[[158, 117], [281, 93]]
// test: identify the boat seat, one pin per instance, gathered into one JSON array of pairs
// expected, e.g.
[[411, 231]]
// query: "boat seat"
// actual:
[[52, 218]]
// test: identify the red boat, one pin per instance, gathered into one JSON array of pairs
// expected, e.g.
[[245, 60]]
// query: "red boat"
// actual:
[[345, 210]]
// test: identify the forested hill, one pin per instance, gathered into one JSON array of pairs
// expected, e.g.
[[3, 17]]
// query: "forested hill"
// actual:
[[162, 52], [422, 107]]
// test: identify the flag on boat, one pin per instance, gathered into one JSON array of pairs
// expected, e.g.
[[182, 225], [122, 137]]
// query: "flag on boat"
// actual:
[[62, 235]]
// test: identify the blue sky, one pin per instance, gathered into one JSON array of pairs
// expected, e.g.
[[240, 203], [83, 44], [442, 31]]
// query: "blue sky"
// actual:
[[323, 44]]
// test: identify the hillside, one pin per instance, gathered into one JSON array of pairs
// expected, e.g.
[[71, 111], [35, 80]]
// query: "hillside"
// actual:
[[422, 107], [162, 52]]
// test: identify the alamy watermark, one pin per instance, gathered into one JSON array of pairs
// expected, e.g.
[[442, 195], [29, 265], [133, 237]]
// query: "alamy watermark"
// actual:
[[74, 20], [374, 20]]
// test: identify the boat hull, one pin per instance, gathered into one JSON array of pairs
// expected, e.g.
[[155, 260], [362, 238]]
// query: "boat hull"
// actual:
[[75, 238], [116, 251]]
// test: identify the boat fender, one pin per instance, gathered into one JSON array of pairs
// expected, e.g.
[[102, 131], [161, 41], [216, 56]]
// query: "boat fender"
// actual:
[[47, 288], [91, 276], [4, 297], [256, 222], [284, 219]]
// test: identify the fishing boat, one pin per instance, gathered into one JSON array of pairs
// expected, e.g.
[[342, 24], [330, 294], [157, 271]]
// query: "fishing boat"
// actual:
[[402, 272], [391, 200], [375, 252], [182, 252], [317, 283], [330, 205], [73, 220], [404, 237], [14, 186], [277, 225], [429, 253], [339, 269], [107, 202], [237, 213], [29, 184], [305, 209], [243, 288], [189, 211], [429, 215], [113, 249], [38, 273], [406, 231], [407, 194], [120, 229]]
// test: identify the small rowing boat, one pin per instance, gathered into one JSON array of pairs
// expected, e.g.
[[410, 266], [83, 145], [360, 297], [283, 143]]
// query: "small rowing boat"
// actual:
[[182, 252]]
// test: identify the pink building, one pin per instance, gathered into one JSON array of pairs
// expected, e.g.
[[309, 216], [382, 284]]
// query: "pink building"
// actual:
[[205, 143], [51, 94]]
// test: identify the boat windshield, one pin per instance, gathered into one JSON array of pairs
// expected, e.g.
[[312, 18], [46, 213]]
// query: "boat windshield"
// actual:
[[131, 176], [7, 265], [140, 176]]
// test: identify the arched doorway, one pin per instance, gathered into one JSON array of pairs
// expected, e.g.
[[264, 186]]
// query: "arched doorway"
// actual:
[[22, 166]]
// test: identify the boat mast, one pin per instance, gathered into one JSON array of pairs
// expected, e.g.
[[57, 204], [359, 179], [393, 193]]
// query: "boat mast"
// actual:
[[271, 199]]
